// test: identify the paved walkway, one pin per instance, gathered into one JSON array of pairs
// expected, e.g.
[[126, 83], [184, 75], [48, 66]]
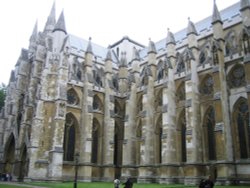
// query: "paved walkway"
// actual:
[[19, 184]]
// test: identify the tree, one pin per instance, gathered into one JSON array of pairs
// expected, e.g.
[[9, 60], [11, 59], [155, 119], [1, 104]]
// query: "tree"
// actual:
[[2, 95]]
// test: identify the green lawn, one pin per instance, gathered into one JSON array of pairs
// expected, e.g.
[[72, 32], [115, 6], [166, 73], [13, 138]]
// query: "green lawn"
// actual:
[[105, 185]]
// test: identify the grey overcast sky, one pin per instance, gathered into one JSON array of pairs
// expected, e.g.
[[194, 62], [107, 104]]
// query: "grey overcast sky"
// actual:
[[106, 21]]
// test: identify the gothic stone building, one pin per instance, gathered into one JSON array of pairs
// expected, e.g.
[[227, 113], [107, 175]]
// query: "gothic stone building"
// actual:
[[173, 111]]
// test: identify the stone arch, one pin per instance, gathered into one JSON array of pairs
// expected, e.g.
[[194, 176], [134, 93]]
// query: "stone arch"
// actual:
[[24, 162], [9, 154], [71, 140], [209, 134], [181, 136], [236, 76], [241, 132]]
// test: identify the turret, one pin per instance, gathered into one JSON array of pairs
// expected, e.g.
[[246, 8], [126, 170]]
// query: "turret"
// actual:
[[152, 57], [51, 20], [33, 37], [59, 33], [108, 61], [191, 34], [217, 23], [89, 54]]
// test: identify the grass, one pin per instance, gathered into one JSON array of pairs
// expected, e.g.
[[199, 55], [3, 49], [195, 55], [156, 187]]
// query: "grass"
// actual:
[[104, 185]]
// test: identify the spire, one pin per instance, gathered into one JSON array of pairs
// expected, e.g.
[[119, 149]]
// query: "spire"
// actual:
[[151, 47], [108, 56], [191, 28], [170, 38], [216, 14], [135, 55], [244, 4], [33, 37], [89, 47], [60, 25], [51, 20]]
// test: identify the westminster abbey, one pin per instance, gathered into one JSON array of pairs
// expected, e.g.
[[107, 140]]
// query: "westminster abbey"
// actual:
[[174, 111]]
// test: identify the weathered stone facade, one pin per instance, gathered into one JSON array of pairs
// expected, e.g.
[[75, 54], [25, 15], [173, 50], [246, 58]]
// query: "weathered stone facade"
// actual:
[[172, 112]]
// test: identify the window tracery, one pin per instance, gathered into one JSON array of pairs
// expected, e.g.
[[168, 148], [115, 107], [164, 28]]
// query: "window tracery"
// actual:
[[237, 77]]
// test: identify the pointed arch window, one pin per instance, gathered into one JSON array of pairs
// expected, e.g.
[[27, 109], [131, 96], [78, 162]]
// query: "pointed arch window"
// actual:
[[95, 141], [69, 138], [160, 71], [97, 105], [207, 84], [180, 64], [243, 129], [158, 100], [246, 43], [210, 124], [181, 94]]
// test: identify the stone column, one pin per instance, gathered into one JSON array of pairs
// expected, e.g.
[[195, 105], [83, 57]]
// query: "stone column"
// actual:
[[169, 168], [109, 126], [86, 123]]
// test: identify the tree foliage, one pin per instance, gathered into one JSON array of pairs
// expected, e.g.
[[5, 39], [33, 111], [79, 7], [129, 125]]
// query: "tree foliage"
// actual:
[[2, 95]]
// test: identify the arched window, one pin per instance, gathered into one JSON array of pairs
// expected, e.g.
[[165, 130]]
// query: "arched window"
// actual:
[[181, 94], [158, 100], [246, 43], [242, 128], [97, 105], [236, 77], [180, 64], [69, 138], [160, 71], [95, 141], [210, 124], [206, 87], [72, 97]]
